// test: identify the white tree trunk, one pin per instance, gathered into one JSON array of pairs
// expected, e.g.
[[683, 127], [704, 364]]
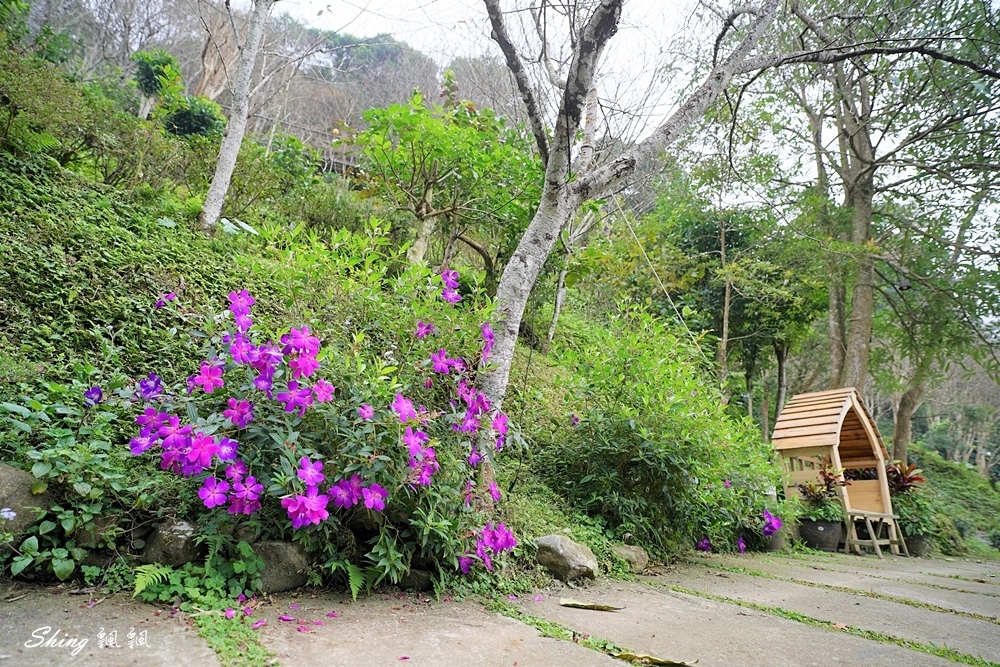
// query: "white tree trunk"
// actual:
[[237, 125], [418, 251], [560, 199]]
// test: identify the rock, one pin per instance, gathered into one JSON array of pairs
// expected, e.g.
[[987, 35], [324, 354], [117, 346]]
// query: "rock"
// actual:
[[636, 557], [98, 532], [363, 521], [172, 543], [16, 495], [566, 559], [285, 566], [419, 580]]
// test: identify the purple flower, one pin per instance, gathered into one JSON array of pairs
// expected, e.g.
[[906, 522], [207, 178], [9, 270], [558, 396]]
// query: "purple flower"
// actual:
[[374, 497], [772, 524], [301, 342], [296, 398], [209, 376], [162, 301], [475, 457], [213, 493], [366, 411], [465, 564], [424, 329], [240, 302], [495, 491], [174, 435], [303, 365], [428, 383], [258, 624], [727, 483], [323, 391], [488, 340], [240, 348], [240, 413], [574, 420], [227, 449], [704, 544], [306, 509], [450, 278], [230, 612], [247, 490], [93, 396], [152, 418], [450, 295], [199, 456], [404, 408], [8, 514], [150, 388], [236, 470], [500, 423], [441, 361], [146, 439], [741, 545], [310, 473], [341, 494], [414, 440]]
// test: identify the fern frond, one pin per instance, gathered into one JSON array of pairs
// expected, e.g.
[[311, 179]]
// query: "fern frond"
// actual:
[[148, 575]]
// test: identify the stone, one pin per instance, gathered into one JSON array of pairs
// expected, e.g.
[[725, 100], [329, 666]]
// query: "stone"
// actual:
[[285, 566], [101, 528], [16, 495], [419, 580], [566, 559], [636, 557], [172, 543]]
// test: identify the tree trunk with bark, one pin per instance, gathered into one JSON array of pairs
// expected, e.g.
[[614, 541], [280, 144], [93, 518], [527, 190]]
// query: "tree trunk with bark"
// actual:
[[236, 127], [902, 433]]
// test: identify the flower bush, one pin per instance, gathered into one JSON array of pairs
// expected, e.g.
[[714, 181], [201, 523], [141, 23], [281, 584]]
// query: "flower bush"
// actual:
[[306, 439]]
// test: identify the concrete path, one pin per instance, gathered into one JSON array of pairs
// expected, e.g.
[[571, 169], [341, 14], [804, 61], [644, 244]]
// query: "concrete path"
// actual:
[[763, 610]]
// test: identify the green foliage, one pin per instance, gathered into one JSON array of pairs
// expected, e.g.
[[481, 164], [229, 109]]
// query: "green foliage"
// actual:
[[994, 539], [917, 512], [653, 445], [152, 68], [150, 575], [963, 495], [186, 115]]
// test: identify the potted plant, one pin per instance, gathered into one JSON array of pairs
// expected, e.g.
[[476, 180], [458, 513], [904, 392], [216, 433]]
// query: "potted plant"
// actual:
[[821, 517], [913, 505]]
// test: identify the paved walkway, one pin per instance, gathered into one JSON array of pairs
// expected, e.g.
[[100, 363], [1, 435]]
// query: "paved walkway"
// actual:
[[766, 609]]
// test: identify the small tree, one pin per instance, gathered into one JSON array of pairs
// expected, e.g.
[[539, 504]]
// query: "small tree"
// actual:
[[154, 72]]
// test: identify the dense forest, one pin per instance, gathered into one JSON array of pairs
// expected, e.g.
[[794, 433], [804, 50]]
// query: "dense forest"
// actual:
[[489, 239]]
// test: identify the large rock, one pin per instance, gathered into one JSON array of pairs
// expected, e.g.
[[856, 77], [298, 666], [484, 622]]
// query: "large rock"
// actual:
[[16, 495], [172, 543], [566, 559], [285, 566], [636, 557]]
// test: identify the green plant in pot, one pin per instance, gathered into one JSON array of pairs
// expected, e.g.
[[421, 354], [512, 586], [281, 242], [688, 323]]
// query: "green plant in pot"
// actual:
[[914, 506], [821, 516]]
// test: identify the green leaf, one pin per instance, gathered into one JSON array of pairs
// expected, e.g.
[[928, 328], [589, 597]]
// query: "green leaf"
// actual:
[[68, 524], [83, 488], [63, 568], [46, 527], [355, 579], [41, 469], [19, 409], [20, 562], [29, 546], [39, 487]]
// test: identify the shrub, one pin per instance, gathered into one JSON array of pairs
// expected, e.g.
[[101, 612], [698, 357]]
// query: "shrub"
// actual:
[[648, 444], [186, 116], [153, 66]]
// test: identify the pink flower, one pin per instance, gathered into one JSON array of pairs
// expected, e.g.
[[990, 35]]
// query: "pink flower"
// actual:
[[240, 413], [450, 295], [300, 340], [230, 612], [450, 278], [441, 361], [323, 391], [213, 493], [424, 329], [374, 497], [414, 440], [488, 340], [303, 365], [495, 491], [366, 411], [727, 483], [209, 377], [310, 473], [404, 408], [475, 457], [306, 509]]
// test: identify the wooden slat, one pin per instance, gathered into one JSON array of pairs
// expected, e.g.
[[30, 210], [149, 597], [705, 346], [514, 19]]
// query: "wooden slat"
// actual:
[[804, 419], [794, 443], [815, 429], [806, 411], [858, 463]]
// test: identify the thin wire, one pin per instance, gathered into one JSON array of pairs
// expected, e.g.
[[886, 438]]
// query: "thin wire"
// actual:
[[694, 339]]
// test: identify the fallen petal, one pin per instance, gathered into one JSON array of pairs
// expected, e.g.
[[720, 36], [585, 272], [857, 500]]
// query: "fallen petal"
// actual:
[[259, 624], [332, 614], [403, 657], [302, 628], [511, 597], [230, 612], [538, 598], [286, 618], [319, 623], [293, 606]]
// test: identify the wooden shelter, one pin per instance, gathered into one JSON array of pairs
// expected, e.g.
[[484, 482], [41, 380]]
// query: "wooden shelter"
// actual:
[[834, 429]]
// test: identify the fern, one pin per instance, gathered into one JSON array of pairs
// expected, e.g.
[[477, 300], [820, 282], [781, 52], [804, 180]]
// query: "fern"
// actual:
[[355, 579], [149, 575]]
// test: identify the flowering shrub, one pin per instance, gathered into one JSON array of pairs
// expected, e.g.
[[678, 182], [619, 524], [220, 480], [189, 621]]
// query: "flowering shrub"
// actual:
[[314, 439]]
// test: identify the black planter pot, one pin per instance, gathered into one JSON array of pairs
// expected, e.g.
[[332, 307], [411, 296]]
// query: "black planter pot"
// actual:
[[823, 535], [918, 545]]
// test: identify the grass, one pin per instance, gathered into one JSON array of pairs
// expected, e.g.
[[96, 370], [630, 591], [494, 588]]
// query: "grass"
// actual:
[[871, 635]]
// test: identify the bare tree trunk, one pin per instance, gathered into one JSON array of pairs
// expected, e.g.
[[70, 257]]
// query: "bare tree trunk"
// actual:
[[902, 433], [425, 229], [781, 354], [862, 293], [765, 416], [236, 127], [560, 298], [722, 355]]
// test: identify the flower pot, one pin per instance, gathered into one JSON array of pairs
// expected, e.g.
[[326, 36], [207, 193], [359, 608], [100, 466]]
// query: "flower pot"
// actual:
[[823, 535], [776, 542], [918, 545]]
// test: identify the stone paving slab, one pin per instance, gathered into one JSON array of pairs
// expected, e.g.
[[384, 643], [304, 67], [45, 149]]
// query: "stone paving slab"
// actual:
[[984, 586], [682, 627], [968, 635], [410, 630], [48, 627], [989, 571], [949, 599]]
